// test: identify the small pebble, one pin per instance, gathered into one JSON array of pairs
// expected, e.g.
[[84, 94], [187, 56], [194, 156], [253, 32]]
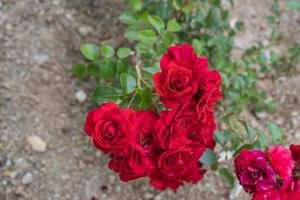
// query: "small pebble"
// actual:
[[27, 178], [36, 143], [80, 96], [148, 196]]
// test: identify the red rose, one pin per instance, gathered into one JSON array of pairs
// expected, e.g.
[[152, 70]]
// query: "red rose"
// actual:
[[295, 149], [180, 74], [267, 195], [208, 94], [110, 127], [143, 153], [205, 130], [254, 171], [161, 181], [281, 160], [177, 166], [175, 162], [173, 127]]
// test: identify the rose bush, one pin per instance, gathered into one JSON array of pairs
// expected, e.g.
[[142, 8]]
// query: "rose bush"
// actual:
[[165, 146]]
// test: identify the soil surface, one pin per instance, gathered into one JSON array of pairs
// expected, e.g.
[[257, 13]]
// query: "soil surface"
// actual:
[[44, 154]]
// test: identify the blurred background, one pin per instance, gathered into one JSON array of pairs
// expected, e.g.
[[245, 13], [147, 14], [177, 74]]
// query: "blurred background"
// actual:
[[44, 154]]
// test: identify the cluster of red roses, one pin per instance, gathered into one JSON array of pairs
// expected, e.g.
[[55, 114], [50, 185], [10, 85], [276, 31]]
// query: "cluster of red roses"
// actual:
[[166, 146], [274, 175]]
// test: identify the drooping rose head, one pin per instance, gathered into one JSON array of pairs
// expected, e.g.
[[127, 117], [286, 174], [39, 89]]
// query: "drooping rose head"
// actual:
[[254, 171], [110, 127], [179, 77]]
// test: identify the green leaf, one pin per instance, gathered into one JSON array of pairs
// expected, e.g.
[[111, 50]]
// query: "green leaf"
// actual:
[[93, 69], [107, 51], [275, 8], [121, 67], [177, 4], [136, 5], [90, 51], [107, 69], [208, 157], [79, 70], [250, 131], [127, 18], [168, 38], [197, 46], [220, 138], [104, 93], [276, 133], [173, 26], [271, 19], [123, 52], [147, 36], [128, 82], [275, 34], [262, 138], [293, 4], [156, 22], [227, 175], [271, 107], [244, 146]]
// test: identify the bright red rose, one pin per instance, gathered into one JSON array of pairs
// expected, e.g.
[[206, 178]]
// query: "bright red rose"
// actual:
[[267, 195], [178, 80], [295, 149], [281, 160], [254, 171], [110, 127], [173, 127]]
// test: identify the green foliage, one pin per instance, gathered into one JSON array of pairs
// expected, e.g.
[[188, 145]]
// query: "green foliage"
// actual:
[[90, 51], [208, 157]]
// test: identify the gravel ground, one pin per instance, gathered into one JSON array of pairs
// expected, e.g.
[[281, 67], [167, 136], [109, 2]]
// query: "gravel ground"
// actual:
[[44, 153]]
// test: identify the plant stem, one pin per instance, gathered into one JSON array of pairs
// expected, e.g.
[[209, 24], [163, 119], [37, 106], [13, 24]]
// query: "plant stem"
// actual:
[[139, 75]]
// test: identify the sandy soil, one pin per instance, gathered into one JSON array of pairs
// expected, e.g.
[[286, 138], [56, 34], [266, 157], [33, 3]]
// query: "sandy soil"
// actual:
[[39, 41]]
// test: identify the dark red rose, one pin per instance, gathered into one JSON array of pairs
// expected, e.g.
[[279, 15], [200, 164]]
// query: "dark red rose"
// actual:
[[267, 195], [120, 164], [143, 155], [162, 181], [295, 149], [205, 130], [176, 167], [254, 171], [207, 94], [110, 127], [175, 162], [281, 160], [173, 127], [180, 74]]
